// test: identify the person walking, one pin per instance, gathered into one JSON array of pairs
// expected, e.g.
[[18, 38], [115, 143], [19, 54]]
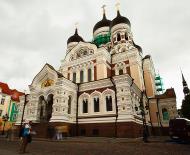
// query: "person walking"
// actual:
[[26, 137]]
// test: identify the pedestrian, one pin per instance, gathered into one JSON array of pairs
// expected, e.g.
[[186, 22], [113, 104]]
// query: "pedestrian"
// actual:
[[26, 137]]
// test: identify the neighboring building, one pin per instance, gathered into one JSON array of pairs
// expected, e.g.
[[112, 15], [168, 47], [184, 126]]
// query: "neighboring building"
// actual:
[[8, 104], [100, 88], [185, 108]]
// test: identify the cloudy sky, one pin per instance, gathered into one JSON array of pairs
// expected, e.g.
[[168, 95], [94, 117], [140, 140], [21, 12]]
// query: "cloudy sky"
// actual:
[[33, 32]]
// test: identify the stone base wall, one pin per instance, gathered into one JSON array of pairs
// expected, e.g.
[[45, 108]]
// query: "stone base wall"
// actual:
[[123, 129]]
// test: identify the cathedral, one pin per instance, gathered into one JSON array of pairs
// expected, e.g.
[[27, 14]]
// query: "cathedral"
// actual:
[[104, 88]]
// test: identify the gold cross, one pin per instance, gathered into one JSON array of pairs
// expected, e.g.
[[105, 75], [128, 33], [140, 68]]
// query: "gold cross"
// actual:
[[117, 5], [76, 25], [103, 7]]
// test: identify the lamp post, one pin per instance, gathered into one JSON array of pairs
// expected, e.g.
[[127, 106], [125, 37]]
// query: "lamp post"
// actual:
[[142, 112], [5, 118], [25, 102]]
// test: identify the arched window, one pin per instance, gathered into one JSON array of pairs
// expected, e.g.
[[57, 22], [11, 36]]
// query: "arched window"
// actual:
[[96, 105], [109, 103], [126, 36], [85, 106], [89, 74], [81, 76], [165, 114], [120, 71], [74, 77], [118, 37], [69, 105]]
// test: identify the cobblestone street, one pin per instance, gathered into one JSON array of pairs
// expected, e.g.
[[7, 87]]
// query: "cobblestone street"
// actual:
[[95, 147]]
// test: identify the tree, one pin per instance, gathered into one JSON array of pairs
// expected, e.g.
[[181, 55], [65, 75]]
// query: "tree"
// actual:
[[185, 108]]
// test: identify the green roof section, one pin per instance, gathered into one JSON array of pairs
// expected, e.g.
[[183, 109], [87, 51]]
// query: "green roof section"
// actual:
[[101, 39], [159, 84]]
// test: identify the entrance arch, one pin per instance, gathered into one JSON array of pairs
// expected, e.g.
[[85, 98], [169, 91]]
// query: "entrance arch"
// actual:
[[45, 108]]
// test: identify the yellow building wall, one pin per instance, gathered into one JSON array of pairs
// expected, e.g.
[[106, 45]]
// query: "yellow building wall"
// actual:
[[135, 74], [149, 84], [153, 112], [101, 71]]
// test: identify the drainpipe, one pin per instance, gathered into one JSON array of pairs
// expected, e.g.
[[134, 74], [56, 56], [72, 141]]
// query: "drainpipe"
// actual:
[[116, 106], [77, 125], [146, 95], [158, 115]]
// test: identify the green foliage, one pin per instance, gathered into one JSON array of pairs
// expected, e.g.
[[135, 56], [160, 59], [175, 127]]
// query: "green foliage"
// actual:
[[185, 108]]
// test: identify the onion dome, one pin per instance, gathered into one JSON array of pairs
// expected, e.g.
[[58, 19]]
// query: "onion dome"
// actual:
[[138, 47], [103, 23], [119, 20], [75, 37]]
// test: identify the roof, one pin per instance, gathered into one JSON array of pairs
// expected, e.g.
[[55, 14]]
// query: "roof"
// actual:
[[58, 73], [15, 94], [75, 38], [169, 93], [104, 22], [119, 19]]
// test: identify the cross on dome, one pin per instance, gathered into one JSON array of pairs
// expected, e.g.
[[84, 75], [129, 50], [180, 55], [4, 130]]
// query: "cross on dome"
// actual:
[[117, 5], [103, 7]]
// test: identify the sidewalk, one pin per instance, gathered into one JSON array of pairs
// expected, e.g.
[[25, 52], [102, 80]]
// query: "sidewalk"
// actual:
[[152, 139]]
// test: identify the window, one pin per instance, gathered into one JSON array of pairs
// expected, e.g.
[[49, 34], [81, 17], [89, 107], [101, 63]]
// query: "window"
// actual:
[[165, 114], [1, 112], [95, 132], [108, 103], [89, 74], [74, 77], [14, 117], [118, 37], [83, 132], [2, 101], [126, 36], [96, 105], [120, 71], [69, 105], [81, 76], [85, 106]]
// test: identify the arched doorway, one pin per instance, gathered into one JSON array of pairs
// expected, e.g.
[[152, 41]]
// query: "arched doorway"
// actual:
[[41, 108], [45, 108], [49, 106]]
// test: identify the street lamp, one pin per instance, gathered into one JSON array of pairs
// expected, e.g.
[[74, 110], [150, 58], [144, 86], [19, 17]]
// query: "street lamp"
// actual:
[[5, 118], [25, 102], [142, 112]]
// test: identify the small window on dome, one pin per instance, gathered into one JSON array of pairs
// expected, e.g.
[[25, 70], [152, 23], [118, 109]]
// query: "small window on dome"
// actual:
[[118, 37], [126, 36]]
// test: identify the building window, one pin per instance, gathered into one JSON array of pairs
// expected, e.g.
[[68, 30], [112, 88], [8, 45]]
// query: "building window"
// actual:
[[2, 101], [109, 103], [85, 106], [165, 114], [83, 132], [69, 105], [96, 105], [74, 77], [89, 74], [81, 76], [126, 36], [95, 132], [120, 71], [118, 37]]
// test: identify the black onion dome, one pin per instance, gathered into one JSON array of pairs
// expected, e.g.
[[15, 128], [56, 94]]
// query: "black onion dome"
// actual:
[[138, 47], [104, 22], [119, 19], [75, 38]]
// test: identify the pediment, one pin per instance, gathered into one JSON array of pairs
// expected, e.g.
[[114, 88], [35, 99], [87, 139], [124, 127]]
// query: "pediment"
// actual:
[[46, 77], [81, 50]]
